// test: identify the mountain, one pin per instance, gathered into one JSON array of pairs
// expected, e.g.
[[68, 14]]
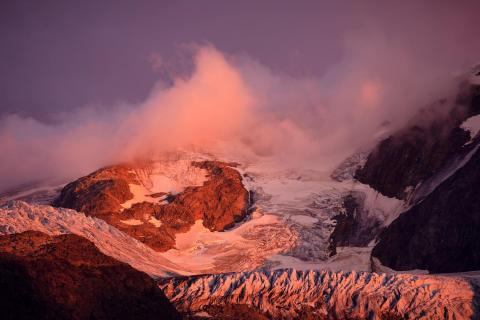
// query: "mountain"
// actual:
[[168, 197], [417, 152], [66, 277], [435, 165], [248, 238], [249, 295], [440, 233]]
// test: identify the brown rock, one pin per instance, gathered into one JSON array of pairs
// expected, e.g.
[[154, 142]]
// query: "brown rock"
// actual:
[[101, 192], [220, 202], [66, 277]]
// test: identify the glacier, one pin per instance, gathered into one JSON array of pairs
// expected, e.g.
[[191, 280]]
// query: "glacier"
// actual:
[[292, 294]]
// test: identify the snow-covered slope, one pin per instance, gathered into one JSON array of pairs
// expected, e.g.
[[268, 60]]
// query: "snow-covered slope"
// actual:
[[198, 251], [17, 216], [291, 226], [291, 294], [166, 177], [40, 193], [472, 125], [307, 202]]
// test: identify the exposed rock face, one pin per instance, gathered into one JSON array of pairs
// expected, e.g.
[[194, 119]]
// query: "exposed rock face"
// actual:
[[418, 152], [100, 193], [354, 227], [66, 277], [290, 294], [436, 163], [441, 233], [220, 202]]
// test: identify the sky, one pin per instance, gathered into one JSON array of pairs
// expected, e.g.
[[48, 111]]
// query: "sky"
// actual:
[[57, 55], [324, 72]]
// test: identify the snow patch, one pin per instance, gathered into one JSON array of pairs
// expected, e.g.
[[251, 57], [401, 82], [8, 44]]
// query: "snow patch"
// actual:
[[432, 183], [347, 258], [306, 201], [304, 220], [243, 248], [157, 223], [203, 314], [140, 194], [472, 125], [132, 222], [171, 176], [164, 176], [379, 267]]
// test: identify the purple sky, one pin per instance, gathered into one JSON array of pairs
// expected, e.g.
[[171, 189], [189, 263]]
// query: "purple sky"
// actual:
[[58, 55], [313, 79]]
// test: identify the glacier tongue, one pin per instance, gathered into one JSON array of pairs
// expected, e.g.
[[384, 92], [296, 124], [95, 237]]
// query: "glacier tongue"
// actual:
[[289, 294], [307, 202]]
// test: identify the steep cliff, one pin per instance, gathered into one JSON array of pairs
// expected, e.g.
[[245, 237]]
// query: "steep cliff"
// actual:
[[420, 150], [440, 233]]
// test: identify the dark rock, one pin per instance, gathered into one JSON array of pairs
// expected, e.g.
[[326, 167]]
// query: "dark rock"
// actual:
[[354, 227], [441, 233], [416, 153], [66, 277]]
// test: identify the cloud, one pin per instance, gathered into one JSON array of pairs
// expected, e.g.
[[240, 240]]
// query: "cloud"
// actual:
[[213, 103], [236, 103]]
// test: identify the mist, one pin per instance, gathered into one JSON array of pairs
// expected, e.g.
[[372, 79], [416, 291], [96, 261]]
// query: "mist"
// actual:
[[233, 101]]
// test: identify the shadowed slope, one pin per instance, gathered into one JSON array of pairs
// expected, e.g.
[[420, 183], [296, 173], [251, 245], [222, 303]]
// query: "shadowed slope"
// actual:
[[66, 277]]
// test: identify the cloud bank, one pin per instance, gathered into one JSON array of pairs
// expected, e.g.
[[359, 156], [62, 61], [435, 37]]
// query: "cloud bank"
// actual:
[[234, 100]]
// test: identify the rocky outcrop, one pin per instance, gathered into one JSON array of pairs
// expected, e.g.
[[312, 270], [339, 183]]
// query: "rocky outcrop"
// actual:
[[219, 202], [407, 158], [354, 227], [291, 294], [66, 277], [441, 233], [100, 193], [433, 164]]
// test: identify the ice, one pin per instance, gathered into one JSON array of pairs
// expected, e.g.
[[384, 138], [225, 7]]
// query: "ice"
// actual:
[[157, 223], [291, 225], [304, 220], [289, 293], [306, 201], [472, 125], [245, 247], [347, 258], [132, 222], [290, 228], [17, 216], [140, 194], [164, 176]]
